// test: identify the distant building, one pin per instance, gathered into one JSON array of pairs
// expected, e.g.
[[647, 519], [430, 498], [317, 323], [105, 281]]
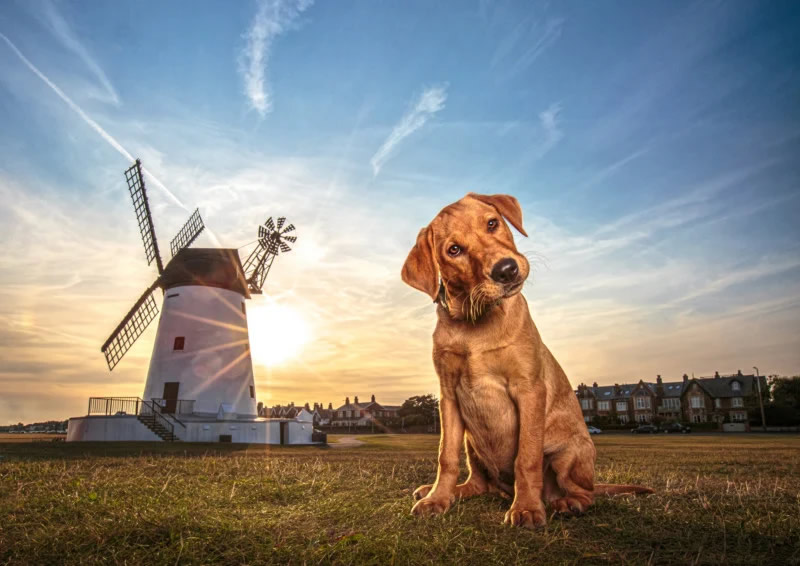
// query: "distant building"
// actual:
[[697, 400], [363, 414]]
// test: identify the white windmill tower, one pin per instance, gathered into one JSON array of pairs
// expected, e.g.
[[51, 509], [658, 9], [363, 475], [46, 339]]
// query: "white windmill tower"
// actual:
[[201, 370]]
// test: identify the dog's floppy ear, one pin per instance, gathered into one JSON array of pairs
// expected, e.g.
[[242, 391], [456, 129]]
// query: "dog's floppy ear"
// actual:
[[506, 205], [420, 270]]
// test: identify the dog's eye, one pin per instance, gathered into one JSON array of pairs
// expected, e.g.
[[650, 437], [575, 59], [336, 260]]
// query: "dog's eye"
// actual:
[[492, 224], [454, 250]]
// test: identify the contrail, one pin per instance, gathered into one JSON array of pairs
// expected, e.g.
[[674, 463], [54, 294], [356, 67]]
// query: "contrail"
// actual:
[[92, 124]]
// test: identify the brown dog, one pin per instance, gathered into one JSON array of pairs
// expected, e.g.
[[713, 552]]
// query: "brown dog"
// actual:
[[502, 392]]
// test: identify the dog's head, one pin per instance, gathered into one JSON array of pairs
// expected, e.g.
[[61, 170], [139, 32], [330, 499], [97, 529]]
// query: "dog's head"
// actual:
[[470, 248]]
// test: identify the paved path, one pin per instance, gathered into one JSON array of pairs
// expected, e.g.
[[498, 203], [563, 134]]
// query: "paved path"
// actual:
[[347, 442]]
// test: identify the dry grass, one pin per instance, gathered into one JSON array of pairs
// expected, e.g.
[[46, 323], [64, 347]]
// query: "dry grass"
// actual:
[[720, 499]]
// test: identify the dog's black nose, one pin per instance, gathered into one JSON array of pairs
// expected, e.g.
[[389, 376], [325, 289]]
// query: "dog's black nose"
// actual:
[[505, 270]]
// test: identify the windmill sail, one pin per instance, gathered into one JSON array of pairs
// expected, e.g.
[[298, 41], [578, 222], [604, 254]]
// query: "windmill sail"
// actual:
[[132, 326], [187, 234], [138, 191]]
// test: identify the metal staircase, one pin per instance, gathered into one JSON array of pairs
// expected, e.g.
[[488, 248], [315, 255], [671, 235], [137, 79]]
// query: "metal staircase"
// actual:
[[159, 425]]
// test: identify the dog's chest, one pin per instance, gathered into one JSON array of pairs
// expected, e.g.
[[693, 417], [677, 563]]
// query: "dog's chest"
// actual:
[[484, 398]]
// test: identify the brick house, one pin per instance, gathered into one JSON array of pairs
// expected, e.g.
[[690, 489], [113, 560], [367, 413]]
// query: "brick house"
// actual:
[[363, 414], [704, 399]]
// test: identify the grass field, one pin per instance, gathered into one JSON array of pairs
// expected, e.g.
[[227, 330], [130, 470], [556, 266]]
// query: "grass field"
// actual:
[[719, 499]]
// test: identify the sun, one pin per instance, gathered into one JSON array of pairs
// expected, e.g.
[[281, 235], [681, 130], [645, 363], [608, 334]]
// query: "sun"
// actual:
[[277, 333]]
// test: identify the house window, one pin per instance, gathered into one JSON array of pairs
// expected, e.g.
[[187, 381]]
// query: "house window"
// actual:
[[622, 407], [717, 403], [737, 402], [179, 342], [671, 403], [252, 392], [623, 418], [698, 403], [642, 418], [735, 386], [602, 406], [738, 416], [642, 402], [587, 419], [586, 404]]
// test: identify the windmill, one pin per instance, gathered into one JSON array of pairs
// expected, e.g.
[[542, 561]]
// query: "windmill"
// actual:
[[201, 363]]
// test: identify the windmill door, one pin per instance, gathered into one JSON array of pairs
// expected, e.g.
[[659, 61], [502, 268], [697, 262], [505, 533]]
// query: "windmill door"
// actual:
[[284, 433], [170, 397]]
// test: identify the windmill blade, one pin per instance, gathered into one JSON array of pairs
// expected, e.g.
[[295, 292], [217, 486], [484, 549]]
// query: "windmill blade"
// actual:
[[262, 232], [187, 234], [281, 220], [285, 247], [270, 226], [289, 228], [132, 326], [291, 239], [141, 206]]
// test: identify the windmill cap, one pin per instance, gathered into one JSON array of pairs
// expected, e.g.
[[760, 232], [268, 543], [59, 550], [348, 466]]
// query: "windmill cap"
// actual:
[[206, 267]]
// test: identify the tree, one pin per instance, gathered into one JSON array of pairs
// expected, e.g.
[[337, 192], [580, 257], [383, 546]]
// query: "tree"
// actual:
[[786, 391], [419, 409]]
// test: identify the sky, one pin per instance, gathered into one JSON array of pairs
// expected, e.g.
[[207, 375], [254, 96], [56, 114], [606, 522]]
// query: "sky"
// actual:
[[653, 147]]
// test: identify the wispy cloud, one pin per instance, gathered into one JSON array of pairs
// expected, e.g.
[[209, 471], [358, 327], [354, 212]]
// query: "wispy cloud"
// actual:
[[526, 43], [89, 121], [64, 33], [273, 18], [429, 103], [552, 129]]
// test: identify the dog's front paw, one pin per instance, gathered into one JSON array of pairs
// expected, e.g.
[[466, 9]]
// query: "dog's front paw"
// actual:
[[530, 518], [422, 491], [430, 506]]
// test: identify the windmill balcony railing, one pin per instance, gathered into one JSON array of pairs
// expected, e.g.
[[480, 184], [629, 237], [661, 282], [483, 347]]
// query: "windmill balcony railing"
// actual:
[[176, 406], [134, 406]]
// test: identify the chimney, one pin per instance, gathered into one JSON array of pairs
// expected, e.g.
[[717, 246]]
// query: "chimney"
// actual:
[[616, 389], [594, 385], [658, 379], [356, 400], [716, 375], [307, 409], [330, 406], [685, 379], [739, 372], [373, 397], [347, 400], [291, 404]]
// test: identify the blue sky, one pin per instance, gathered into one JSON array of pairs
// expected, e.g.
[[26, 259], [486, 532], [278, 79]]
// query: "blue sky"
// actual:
[[653, 146]]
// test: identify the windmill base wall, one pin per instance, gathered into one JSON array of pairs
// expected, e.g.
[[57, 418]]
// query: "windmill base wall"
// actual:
[[109, 429], [127, 428]]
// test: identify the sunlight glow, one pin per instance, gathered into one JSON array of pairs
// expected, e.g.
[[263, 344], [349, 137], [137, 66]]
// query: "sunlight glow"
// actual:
[[277, 333]]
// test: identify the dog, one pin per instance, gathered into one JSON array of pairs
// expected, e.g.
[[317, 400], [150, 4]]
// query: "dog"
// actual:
[[502, 393]]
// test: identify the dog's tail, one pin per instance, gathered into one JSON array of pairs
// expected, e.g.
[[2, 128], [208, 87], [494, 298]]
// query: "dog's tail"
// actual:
[[616, 489]]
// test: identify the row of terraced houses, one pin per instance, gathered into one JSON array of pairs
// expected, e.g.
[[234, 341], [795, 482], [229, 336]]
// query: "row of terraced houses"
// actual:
[[727, 398], [350, 414]]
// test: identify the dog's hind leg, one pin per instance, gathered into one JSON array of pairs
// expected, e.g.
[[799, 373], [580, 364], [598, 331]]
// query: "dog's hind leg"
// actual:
[[477, 482], [574, 470]]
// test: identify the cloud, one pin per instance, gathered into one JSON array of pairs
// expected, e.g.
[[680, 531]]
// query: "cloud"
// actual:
[[63, 32], [429, 103], [273, 18], [89, 121], [526, 43]]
